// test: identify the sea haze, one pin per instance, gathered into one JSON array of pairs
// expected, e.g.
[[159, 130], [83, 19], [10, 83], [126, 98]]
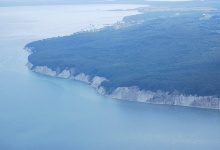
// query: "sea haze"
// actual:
[[38, 112]]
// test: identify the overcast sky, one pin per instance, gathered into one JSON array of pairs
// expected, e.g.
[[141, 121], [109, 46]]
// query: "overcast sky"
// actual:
[[40, 2]]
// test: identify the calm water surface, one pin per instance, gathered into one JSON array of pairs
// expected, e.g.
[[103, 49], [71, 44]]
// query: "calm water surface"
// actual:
[[43, 113]]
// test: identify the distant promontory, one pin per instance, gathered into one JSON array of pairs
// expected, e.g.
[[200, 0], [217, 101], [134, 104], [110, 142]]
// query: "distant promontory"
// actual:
[[159, 57]]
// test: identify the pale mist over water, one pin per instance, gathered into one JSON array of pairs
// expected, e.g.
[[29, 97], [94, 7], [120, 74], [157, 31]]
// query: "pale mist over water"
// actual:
[[38, 112]]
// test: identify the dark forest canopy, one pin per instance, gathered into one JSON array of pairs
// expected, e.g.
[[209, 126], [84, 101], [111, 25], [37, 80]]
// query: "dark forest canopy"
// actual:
[[165, 50]]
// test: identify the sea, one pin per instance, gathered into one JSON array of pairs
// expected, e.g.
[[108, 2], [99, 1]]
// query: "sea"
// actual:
[[45, 113]]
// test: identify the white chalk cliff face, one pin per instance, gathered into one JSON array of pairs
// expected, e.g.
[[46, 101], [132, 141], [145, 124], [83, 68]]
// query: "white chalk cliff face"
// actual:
[[70, 74], [133, 93], [160, 97]]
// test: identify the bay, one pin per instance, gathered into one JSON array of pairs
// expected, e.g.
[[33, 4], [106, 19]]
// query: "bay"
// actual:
[[39, 112]]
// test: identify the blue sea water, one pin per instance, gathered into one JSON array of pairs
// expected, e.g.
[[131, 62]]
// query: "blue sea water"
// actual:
[[44, 113]]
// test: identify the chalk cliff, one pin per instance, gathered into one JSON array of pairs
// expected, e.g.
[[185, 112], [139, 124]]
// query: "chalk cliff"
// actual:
[[133, 93]]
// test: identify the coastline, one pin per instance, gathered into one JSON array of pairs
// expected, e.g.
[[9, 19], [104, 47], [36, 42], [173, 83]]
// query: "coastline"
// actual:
[[132, 93]]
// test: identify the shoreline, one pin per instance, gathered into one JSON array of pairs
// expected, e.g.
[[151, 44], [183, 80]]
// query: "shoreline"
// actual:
[[132, 93]]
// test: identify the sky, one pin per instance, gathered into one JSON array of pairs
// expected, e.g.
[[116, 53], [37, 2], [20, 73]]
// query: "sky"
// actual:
[[41, 2]]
